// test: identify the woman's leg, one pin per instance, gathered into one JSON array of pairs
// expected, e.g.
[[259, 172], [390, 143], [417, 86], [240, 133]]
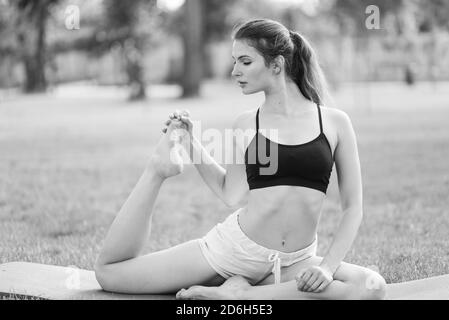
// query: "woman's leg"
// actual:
[[160, 272], [119, 267], [350, 282]]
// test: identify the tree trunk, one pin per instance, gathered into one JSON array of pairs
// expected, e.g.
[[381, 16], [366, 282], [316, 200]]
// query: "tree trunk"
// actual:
[[193, 49], [31, 37], [134, 69]]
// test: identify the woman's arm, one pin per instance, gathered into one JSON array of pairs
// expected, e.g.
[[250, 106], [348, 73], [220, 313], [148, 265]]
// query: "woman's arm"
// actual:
[[350, 186], [213, 174], [347, 163], [228, 183]]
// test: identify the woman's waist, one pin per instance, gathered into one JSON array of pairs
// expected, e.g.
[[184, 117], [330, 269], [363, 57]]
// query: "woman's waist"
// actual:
[[281, 230]]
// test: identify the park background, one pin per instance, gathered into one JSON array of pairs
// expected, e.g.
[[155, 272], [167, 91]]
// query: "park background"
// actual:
[[83, 100]]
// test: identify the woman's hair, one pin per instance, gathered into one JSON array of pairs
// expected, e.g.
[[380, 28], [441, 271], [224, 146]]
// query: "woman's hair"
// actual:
[[271, 39]]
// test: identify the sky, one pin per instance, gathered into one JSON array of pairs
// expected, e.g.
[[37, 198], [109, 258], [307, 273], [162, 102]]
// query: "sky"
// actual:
[[169, 4]]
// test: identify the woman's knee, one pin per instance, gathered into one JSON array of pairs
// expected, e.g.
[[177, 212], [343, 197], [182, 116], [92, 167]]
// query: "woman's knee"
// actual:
[[104, 278]]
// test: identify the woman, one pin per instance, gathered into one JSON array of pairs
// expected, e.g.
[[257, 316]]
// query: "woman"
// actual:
[[267, 248]]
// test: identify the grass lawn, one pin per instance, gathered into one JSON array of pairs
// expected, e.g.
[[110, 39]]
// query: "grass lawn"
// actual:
[[69, 159]]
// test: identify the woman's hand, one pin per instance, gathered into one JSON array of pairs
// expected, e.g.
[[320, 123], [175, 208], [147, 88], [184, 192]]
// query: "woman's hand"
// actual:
[[184, 117], [313, 279]]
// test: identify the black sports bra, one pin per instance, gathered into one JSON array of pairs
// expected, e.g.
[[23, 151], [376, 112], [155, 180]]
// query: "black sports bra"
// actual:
[[306, 165]]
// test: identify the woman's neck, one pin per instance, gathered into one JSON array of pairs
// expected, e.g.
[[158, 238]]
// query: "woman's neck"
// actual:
[[286, 100]]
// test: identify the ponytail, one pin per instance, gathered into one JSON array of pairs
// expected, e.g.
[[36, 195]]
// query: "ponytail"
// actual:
[[305, 70]]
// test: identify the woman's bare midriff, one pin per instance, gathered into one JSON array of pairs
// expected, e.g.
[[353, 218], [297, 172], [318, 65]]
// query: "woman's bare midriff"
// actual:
[[283, 218]]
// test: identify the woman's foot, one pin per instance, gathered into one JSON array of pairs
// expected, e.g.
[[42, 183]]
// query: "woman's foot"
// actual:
[[166, 158], [231, 289]]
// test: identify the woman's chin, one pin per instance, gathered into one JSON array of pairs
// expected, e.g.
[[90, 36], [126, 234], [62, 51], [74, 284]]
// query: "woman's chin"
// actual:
[[246, 91]]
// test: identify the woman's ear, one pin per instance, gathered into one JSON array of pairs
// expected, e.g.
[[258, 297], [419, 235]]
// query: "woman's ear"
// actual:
[[278, 64]]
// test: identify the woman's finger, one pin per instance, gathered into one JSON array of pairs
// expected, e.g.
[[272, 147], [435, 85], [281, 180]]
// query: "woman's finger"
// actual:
[[322, 286], [300, 274], [305, 277], [167, 122], [299, 280], [186, 120], [311, 281], [174, 115], [315, 285]]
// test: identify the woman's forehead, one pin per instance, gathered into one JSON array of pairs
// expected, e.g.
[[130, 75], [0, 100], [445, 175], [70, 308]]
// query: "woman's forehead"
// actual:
[[241, 48]]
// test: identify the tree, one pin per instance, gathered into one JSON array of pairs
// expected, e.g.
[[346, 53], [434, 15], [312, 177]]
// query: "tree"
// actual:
[[130, 28], [217, 26], [121, 23], [30, 26], [193, 52]]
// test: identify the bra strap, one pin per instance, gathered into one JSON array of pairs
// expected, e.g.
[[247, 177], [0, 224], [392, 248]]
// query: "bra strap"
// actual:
[[257, 120], [257, 134], [319, 116]]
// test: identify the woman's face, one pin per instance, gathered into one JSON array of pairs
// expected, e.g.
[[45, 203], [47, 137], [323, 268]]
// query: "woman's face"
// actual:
[[249, 69]]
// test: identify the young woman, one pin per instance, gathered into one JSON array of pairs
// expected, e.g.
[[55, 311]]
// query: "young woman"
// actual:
[[267, 248]]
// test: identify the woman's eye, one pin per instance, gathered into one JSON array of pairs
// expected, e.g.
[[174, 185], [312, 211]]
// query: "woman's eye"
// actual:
[[245, 63]]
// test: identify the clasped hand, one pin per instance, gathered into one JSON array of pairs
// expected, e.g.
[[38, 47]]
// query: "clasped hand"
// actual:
[[313, 279], [183, 117]]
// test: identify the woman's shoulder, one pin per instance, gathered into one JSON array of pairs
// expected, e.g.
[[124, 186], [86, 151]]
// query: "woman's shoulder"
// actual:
[[337, 124], [335, 116], [245, 120]]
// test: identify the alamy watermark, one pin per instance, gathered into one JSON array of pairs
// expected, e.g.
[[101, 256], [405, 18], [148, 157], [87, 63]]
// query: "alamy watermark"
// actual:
[[372, 22], [228, 147], [72, 17]]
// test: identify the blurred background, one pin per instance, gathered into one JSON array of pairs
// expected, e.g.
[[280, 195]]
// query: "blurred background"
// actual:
[[85, 87], [46, 43]]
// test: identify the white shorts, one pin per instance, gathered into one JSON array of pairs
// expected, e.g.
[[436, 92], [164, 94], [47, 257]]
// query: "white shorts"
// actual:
[[230, 252]]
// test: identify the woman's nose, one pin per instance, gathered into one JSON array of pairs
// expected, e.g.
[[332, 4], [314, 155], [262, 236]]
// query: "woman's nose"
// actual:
[[235, 72]]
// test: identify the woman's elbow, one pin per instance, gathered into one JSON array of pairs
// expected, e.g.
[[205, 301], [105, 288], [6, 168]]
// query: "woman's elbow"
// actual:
[[352, 206]]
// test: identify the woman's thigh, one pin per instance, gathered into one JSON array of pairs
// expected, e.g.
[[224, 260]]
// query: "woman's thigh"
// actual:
[[346, 272], [161, 272]]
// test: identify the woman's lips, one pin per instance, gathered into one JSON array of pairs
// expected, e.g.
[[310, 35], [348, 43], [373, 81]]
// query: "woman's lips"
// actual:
[[241, 83]]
